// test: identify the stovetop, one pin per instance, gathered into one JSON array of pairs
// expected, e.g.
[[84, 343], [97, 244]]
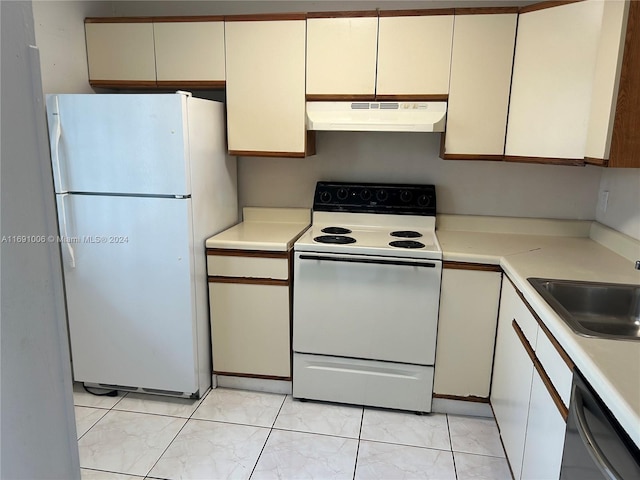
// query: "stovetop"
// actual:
[[392, 220]]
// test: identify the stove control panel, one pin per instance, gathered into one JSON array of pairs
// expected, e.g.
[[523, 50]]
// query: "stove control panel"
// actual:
[[395, 199]]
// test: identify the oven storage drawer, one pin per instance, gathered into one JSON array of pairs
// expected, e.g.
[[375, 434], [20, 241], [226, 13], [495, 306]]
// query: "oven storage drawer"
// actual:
[[362, 382], [364, 306]]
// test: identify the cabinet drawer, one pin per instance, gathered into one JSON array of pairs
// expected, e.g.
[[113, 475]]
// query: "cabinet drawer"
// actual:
[[554, 366], [248, 267]]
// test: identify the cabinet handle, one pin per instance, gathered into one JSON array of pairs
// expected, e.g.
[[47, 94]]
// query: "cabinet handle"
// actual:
[[553, 393]]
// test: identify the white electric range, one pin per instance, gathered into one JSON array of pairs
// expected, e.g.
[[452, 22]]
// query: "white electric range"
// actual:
[[366, 296]]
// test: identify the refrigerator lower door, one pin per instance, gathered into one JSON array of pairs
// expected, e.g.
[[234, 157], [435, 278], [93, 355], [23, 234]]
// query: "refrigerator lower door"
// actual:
[[128, 264]]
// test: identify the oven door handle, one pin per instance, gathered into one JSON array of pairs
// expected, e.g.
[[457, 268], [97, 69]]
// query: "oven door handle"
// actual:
[[368, 261], [589, 440]]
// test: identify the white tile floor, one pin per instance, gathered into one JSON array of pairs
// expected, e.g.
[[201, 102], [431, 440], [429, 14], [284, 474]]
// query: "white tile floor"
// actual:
[[240, 435]]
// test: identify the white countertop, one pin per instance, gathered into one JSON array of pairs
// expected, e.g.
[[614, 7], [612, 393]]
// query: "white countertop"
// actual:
[[612, 367], [267, 229]]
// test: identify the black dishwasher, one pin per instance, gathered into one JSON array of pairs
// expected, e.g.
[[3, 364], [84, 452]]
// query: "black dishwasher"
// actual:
[[596, 447]]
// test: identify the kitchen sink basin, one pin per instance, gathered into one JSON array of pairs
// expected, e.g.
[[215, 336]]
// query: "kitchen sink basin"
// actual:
[[593, 309]]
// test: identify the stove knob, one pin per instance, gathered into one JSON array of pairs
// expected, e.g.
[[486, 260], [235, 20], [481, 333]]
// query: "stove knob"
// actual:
[[382, 195], [365, 195], [325, 197], [342, 194], [406, 196], [424, 200]]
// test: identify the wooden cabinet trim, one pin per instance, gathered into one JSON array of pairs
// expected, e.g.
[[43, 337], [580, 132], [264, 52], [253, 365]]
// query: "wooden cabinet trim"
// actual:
[[247, 280], [176, 19], [485, 10], [483, 267], [468, 156], [224, 252], [314, 97], [413, 98], [265, 17], [346, 14], [250, 375], [254, 153], [562, 409], [118, 20], [546, 331], [625, 143], [600, 162], [578, 162], [417, 12], [194, 84], [548, 4], [123, 83], [310, 143], [470, 398]]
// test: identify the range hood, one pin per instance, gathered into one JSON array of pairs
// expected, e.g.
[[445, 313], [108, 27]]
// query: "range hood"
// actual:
[[377, 116]]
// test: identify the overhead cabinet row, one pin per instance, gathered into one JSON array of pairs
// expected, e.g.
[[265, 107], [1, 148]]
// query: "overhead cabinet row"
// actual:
[[563, 79]]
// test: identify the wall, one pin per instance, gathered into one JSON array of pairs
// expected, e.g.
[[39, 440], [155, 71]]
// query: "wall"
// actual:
[[38, 430], [623, 208], [463, 187], [60, 36]]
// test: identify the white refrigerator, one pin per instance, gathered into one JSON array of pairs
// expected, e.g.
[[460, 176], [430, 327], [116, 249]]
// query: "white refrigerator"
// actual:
[[141, 181]]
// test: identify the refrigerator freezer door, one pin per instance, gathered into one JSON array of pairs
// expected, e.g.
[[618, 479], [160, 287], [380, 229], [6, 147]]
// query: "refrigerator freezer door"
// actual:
[[127, 144], [130, 291]]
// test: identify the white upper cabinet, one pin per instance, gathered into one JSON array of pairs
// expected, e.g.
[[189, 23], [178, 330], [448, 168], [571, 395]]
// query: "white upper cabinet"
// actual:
[[120, 52], [190, 51], [341, 55], [414, 54], [481, 66], [553, 76], [606, 81], [266, 87]]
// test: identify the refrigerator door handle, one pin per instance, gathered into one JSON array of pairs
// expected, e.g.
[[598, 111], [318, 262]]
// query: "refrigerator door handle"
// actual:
[[55, 151], [66, 239]]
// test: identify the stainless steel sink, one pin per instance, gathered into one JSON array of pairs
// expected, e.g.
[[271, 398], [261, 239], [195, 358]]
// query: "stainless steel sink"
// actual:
[[592, 309]]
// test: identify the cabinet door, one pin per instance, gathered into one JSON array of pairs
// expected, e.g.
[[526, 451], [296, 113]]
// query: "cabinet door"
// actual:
[[120, 52], [553, 74], [190, 51], [481, 64], [466, 332], [265, 87], [250, 329], [414, 55], [512, 376], [341, 56], [545, 435]]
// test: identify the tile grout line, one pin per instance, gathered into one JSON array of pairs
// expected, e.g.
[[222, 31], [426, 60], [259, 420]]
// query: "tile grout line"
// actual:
[[453, 456], [176, 435], [267, 439], [355, 466]]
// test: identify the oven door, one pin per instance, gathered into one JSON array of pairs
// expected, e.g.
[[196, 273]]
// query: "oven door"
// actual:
[[366, 307]]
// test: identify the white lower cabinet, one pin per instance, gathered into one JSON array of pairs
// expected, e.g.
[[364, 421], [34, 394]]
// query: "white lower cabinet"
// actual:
[[250, 329], [530, 413], [545, 435], [250, 311], [466, 331], [512, 374]]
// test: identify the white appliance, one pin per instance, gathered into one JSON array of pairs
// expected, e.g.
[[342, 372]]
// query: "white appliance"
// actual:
[[141, 181], [377, 116], [366, 296]]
